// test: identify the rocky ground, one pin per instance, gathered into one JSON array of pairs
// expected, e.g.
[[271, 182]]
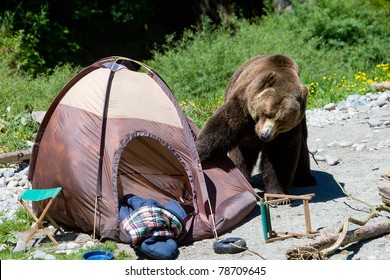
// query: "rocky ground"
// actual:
[[350, 142]]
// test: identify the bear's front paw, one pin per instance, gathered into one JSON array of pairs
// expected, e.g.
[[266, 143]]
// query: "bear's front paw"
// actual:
[[279, 200], [282, 202]]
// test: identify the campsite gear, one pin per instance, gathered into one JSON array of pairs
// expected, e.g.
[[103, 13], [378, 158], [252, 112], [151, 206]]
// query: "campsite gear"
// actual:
[[268, 233], [231, 245], [159, 248], [37, 196], [112, 131], [98, 255], [152, 226], [150, 221]]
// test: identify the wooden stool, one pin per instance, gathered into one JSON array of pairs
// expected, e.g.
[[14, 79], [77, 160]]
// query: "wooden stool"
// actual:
[[269, 234], [39, 195]]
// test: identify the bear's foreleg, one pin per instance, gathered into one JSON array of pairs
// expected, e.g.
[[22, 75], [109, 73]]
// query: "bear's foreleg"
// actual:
[[279, 161], [219, 134], [244, 158]]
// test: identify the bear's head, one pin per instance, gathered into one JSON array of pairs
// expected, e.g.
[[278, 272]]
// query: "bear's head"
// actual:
[[276, 97]]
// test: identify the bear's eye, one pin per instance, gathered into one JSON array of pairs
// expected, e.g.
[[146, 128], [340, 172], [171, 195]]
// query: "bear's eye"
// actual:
[[265, 115]]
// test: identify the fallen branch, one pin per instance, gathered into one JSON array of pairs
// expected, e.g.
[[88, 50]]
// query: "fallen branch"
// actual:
[[315, 249], [380, 86], [15, 156], [384, 192]]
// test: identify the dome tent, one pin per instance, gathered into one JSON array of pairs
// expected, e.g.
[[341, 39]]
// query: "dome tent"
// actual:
[[112, 131]]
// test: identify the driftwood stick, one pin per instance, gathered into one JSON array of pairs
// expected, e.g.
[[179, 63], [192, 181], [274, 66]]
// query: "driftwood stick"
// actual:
[[15, 156], [380, 86], [313, 249]]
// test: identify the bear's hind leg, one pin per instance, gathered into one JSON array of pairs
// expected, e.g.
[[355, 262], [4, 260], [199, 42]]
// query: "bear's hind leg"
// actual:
[[303, 176]]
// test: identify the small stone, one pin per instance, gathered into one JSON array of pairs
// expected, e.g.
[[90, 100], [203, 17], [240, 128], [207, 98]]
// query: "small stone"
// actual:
[[345, 143], [330, 107], [2, 182], [374, 122], [372, 96], [359, 147], [39, 255], [24, 171], [353, 98], [61, 247], [384, 144], [12, 184], [50, 257], [343, 106], [382, 100], [333, 143], [20, 246], [352, 112], [22, 182], [72, 245], [331, 160], [8, 173], [89, 244], [319, 157]]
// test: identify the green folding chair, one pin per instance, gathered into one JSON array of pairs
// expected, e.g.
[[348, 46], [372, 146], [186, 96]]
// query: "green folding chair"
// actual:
[[39, 195]]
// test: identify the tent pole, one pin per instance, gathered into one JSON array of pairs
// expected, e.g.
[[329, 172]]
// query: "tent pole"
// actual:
[[94, 219]]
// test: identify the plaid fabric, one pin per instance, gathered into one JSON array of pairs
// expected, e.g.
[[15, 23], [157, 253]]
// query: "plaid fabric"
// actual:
[[148, 221]]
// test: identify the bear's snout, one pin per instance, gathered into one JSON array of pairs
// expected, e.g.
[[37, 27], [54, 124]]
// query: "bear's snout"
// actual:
[[265, 136], [266, 133]]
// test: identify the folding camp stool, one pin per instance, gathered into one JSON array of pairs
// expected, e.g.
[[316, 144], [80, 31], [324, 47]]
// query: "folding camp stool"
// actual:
[[271, 235], [39, 195]]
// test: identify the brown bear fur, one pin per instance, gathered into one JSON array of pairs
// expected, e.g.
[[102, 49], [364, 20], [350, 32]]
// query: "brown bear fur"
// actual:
[[263, 113]]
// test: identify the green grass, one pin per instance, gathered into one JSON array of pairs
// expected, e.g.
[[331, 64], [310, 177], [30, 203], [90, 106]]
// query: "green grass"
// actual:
[[23, 223], [8, 226], [20, 94]]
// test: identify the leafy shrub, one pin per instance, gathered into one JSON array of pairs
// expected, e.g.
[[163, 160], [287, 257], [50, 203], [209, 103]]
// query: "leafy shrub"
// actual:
[[26, 35]]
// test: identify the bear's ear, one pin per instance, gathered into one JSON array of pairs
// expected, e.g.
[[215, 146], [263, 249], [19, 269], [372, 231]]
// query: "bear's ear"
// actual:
[[267, 80]]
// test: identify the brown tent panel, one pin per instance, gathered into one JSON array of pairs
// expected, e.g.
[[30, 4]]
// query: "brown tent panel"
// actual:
[[113, 131]]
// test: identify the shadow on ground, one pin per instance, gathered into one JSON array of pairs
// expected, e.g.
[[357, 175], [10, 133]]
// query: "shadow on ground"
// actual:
[[326, 189]]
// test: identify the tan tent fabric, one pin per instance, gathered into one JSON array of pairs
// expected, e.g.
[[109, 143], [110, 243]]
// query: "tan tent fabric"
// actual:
[[147, 95], [113, 131]]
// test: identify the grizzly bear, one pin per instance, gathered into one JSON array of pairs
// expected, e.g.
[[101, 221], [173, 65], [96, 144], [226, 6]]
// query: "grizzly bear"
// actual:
[[263, 114]]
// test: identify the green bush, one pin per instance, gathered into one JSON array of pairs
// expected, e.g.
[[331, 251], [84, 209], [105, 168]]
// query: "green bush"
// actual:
[[31, 42]]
